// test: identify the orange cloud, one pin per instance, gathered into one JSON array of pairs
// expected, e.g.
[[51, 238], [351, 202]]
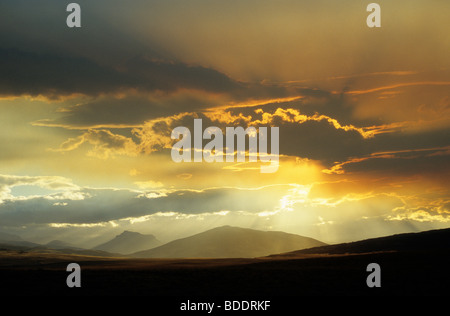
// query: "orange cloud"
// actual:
[[338, 168], [399, 85], [105, 144], [292, 116]]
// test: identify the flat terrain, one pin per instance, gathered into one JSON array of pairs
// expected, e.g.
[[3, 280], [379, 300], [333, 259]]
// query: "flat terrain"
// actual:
[[402, 273]]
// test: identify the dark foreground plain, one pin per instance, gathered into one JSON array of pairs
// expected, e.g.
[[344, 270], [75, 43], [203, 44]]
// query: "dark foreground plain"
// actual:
[[402, 273], [318, 272]]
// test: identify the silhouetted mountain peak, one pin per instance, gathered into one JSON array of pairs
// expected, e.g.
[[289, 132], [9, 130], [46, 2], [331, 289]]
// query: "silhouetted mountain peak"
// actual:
[[127, 233], [57, 244], [128, 242], [131, 234], [228, 242], [9, 237]]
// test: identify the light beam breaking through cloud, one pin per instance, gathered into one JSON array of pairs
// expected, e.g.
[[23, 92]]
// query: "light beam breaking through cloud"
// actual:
[[87, 115]]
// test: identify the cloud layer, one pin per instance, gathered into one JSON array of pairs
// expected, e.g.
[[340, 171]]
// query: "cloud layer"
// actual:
[[87, 115]]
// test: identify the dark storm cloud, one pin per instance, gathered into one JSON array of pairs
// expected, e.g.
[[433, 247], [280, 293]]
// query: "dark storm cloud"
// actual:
[[51, 74], [128, 111], [39, 55], [395, 152], [310, 102], [167, 76], [321, 141], [422, 151], [137, 108]]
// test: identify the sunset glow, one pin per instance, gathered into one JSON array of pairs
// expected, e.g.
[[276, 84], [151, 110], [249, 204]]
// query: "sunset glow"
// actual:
[[86, 117]]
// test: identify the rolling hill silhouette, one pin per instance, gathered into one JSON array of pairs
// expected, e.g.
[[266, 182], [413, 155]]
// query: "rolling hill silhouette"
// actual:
[[230, 242], [14, 240], [129, 242], [432, 240], [411, 264], [59, 244]]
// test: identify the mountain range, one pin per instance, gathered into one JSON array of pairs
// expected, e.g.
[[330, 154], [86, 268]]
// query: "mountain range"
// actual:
[[411, 264], [219, 242], [129, 242], [230, 242], [234, 242], [14, 240]]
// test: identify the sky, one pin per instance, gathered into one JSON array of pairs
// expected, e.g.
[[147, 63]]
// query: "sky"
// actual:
[[86, 116]]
